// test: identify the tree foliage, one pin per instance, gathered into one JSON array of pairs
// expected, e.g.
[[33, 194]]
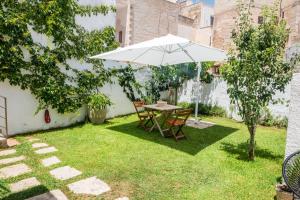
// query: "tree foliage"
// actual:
[[45, 69], [256, 67]]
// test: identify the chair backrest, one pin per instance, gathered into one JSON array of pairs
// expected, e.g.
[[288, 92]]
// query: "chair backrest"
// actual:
[[291, 172], [138, 105], [183, 114]]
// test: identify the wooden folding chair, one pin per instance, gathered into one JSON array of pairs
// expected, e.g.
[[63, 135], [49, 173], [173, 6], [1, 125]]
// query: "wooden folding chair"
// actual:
[[145, 117], [178, 122]]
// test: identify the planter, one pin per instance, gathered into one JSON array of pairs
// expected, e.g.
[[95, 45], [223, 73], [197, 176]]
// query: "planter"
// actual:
[[282, 194], [97, 116]]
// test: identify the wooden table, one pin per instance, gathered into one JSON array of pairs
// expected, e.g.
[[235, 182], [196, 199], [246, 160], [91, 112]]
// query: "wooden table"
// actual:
[[165, 111]]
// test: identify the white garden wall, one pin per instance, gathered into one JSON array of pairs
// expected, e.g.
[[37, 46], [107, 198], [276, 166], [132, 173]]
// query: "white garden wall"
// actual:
[[293, 131], [22, 105], [215, 93]]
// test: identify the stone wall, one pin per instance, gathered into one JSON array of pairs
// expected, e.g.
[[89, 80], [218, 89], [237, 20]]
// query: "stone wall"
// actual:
[[152, 18], [225, 13]]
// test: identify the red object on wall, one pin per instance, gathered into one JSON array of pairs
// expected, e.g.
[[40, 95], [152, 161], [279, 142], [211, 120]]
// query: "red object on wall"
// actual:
[[47, 116]]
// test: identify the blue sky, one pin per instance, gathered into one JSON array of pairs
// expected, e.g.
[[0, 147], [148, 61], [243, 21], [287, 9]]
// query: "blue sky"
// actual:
[[209, 2]]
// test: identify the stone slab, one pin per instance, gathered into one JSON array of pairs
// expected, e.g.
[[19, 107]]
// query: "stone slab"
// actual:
[[52, 195], [89, 186], [65, 173], [14, 170], [199, 124], [11, 142], [33, 139], [46, 150], [39, 145], [24, 184], [7, 152], [11, 160], [122, 198], [50, 161]]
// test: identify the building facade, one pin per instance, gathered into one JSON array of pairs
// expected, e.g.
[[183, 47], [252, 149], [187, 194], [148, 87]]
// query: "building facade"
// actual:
[[137, 21], [225, 15]]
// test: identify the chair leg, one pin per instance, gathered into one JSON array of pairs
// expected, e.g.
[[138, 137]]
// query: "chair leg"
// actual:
[[180, 134]]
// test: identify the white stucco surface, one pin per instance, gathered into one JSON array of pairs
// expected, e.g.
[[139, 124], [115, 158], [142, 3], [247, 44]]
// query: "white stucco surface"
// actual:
[[293, 131], [215, 93]]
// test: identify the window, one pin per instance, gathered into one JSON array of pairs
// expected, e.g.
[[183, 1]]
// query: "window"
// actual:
[[260, 19], [120, 36], [212, 20]]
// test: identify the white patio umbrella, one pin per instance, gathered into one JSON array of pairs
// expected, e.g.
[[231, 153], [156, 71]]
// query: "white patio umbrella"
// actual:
[[166, 50]]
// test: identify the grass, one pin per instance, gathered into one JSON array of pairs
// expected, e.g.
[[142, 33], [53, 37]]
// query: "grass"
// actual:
[[211, 164]]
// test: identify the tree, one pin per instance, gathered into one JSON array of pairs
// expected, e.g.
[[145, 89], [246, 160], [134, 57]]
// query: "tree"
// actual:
[[44, 69], [256, 67]]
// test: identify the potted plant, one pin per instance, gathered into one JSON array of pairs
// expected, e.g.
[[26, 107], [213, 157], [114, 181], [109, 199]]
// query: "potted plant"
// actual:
[[97, 108]]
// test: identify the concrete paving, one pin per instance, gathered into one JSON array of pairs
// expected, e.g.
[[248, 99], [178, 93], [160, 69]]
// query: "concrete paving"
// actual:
[[7, 152], [14, 170], [39, 145], [52, 195], [89, 186], [50, 161], [46, 150], [11, 160], [64, 173], [24, 184]]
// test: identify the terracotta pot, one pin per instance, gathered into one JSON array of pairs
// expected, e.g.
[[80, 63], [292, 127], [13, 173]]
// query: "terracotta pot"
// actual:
[[283, 195], [97, 116]]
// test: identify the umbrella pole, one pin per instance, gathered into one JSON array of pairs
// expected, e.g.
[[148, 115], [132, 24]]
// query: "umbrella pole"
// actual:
[[197, 90]]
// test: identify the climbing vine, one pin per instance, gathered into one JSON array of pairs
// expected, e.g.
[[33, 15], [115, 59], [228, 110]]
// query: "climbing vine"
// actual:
[[131, 87], [45, 69]]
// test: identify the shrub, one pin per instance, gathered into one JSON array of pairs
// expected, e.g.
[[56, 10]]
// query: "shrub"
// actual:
[[268, 119], [205, 109]]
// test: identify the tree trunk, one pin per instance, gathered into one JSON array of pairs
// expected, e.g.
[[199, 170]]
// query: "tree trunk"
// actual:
[[251, 148]]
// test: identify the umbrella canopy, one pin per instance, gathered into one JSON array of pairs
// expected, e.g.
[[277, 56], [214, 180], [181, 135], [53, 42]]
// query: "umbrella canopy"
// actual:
[[166, 50]]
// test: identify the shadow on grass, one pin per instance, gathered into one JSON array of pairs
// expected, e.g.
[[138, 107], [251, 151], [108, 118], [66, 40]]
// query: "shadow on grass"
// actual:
[[27, 193], [241, 150], [197, 139]]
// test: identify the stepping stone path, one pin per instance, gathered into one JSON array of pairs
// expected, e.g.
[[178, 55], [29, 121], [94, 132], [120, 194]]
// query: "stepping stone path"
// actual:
[[50, 161], [7, 152], [122, 198], [52, 195], [39, 145], [90, 186], [14, 170], [64, 173], [24, 184], [87, 186], [11, 160], [46, 150]]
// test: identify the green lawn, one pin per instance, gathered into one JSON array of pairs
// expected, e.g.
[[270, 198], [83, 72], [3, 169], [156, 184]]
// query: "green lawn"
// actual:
[[211, 164]]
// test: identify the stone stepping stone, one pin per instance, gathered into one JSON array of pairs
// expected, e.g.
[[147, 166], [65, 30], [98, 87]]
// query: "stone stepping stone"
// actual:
[[11, 160], [52, 195], [46, 150], [32, 139], [39, 145], [14, 170], [24, 184], [7, 152], [11, 142], [65, 173], [122, 198], [50, 161], [89, 186]]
